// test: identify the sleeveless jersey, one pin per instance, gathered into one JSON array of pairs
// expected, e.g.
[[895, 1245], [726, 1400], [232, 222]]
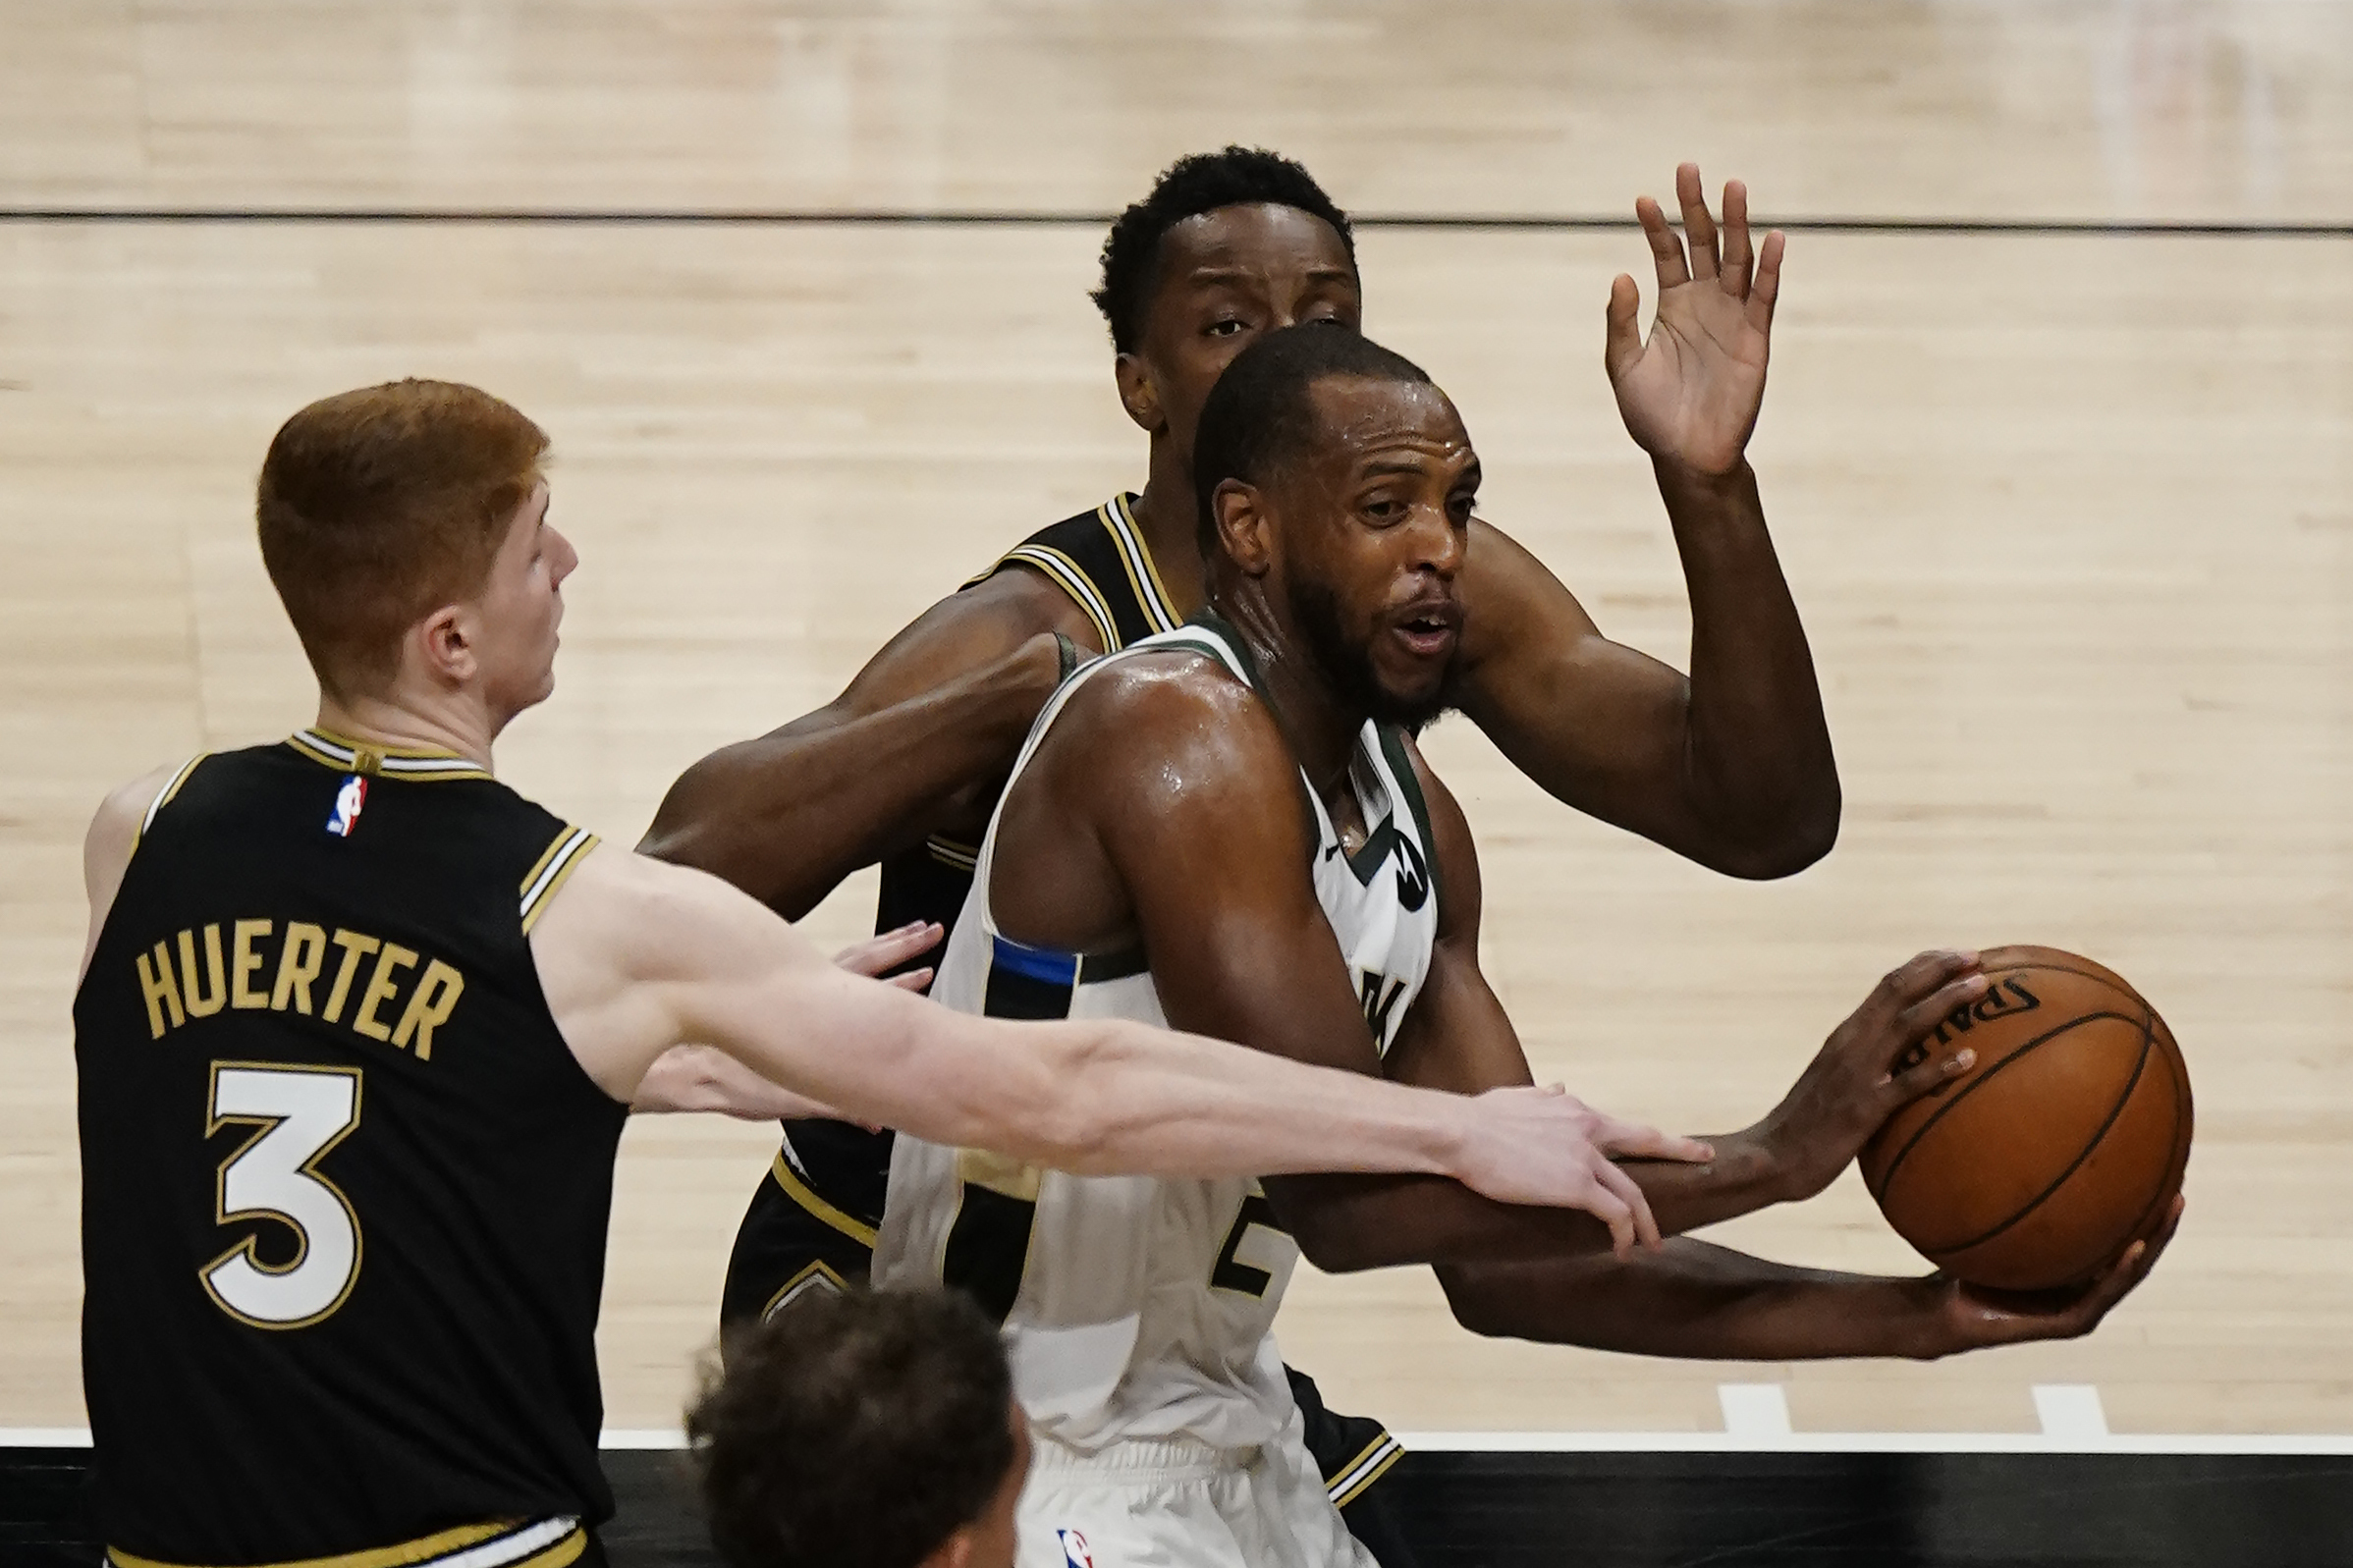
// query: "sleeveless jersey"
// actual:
[[1138, 1308], [345, 1187], [837, 1171]]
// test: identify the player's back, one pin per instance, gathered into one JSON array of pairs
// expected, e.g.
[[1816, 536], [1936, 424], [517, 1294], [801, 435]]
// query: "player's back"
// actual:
[[344, 1188], [1136, 1308]]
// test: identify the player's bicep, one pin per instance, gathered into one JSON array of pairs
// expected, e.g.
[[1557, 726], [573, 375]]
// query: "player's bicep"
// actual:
[[963, 631], [1597, 723], [1206, 826]]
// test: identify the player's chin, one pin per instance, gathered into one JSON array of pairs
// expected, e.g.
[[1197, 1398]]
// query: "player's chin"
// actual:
[[1417, 692]]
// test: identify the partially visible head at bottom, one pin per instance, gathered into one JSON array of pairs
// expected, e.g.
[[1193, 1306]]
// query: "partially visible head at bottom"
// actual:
[[405, 527], [1336, 481], [869, 1429]]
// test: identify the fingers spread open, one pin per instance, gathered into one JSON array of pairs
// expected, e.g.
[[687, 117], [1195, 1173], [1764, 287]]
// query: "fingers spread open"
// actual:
[[1646, 1225], [1767, 284], [1631, 1139], [1698, 228], [1737, 254], [1622, 334], [1665, 249]]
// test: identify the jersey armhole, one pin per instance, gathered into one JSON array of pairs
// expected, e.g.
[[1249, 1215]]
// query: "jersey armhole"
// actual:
[[553, 868], [163, 797], [1065, 573]]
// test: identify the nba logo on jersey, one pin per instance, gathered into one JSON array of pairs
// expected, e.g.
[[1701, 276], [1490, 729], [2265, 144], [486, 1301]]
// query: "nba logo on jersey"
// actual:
[[1074, 1552], [348, 802]]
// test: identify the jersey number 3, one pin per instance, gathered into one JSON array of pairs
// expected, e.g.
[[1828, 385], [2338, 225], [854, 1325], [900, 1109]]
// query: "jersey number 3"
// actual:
[[301, 1113]]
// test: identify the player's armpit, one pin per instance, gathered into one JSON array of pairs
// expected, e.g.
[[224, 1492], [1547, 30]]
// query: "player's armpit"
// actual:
[[936, 715]]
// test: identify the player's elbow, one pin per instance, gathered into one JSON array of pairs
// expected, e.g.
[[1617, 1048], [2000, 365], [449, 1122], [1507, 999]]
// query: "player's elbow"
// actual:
[[1787, 844], [1479, 1303]]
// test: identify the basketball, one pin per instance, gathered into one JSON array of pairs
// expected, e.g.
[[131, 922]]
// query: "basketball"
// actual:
[[2063, 1144]]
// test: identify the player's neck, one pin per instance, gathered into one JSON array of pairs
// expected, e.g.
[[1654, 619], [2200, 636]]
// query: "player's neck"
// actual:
[[1321, 728], [1171, 529], [453, 722]]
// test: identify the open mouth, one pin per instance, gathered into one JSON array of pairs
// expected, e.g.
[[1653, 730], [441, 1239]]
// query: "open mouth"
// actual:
[[1430, 634]]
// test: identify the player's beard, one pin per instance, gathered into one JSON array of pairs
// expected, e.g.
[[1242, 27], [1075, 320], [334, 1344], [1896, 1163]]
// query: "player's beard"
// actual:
[[1347, 664]]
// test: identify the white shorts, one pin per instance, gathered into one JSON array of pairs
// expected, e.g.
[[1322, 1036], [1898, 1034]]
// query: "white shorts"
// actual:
[[1177, 1503]]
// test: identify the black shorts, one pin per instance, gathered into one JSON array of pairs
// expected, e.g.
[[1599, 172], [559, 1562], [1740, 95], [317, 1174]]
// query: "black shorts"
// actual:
[[792, 1241]]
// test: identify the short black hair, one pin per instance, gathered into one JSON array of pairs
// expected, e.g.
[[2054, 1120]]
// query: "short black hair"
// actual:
[[1259, 416], [1202, 181], [853, 1430]]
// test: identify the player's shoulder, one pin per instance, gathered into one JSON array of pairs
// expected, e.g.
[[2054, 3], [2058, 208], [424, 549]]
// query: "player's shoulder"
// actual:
[[1174, 715], [131, 805]]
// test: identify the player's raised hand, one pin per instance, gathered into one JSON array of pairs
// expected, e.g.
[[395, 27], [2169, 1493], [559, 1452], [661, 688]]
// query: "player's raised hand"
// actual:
[[1871, 1066], [1546, 1147], [878, 953], [1692, 392], [1971, 1318]]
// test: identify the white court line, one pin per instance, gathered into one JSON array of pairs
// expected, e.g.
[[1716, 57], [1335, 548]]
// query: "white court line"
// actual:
[[1754, 1409], [1647, 1443], [2071, 1410]]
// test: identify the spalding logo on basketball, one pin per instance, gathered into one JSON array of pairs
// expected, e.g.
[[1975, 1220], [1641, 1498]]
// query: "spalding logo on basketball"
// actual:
[[2062, 1146]]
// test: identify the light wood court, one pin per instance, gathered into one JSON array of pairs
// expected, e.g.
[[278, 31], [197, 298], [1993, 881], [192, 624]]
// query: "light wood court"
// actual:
[[2067, 515]]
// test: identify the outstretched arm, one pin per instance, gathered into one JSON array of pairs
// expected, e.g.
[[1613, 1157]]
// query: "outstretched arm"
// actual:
[[940, 709], [1731, 767], [636, 957], [1697, 1301]]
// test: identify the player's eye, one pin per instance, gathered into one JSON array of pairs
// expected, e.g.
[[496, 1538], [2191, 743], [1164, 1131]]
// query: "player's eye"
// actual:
[[1383, 508], [1226, 326]]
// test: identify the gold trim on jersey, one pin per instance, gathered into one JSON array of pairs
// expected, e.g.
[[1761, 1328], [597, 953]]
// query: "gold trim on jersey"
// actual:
[[1159, 606], [553, 868], [949, 852], [503, 1543], [818, 1276], [818, 1209], [163, 796], [347, 755], [1362, 1471], [1070, 576]]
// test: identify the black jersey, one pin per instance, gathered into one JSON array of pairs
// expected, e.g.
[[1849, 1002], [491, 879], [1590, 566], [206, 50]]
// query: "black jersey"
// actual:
[[345, 1187], [834, 1174]]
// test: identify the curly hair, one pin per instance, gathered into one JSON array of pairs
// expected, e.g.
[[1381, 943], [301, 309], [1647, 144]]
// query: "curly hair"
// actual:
[[856, 1430], [1202, 181]]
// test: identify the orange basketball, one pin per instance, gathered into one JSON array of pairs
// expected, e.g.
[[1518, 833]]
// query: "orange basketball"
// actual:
[[2062, 1145]]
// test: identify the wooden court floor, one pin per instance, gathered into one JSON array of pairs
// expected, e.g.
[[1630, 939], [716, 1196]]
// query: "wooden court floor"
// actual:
[[2067, 515]]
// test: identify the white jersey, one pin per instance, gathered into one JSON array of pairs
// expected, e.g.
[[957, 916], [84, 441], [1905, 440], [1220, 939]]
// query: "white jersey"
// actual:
[[1137, 1308]]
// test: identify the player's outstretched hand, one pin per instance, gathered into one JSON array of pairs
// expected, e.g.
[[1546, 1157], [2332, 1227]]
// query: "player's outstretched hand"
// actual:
[[1546, 1147], [1871, 1066], [1692, 392], [1971, 1318], [878, 953]]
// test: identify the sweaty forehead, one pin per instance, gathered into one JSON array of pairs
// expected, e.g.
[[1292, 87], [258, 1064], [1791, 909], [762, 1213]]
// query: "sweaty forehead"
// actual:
[[1259, 241], [1361, 416]]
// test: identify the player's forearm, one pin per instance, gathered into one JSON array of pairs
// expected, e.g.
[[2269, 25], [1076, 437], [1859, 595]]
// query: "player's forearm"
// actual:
[[701, 1078], [1759, 766], [1156, 1103], [787, 816], [1694, 1301]]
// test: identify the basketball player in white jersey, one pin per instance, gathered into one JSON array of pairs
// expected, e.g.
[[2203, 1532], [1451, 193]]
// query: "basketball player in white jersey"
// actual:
[[1190, 826]]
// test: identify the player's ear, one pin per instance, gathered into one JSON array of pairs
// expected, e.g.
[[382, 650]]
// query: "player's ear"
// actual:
[[1139, 395], [442, 646], [1244, 528]]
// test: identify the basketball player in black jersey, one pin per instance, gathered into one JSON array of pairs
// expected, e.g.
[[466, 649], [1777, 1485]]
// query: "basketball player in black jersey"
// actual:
[[1731, 768], [359, 1026], [1175, 805]]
